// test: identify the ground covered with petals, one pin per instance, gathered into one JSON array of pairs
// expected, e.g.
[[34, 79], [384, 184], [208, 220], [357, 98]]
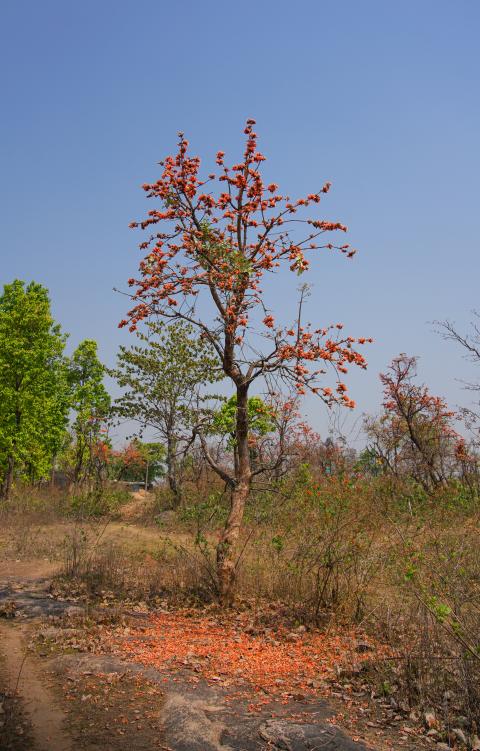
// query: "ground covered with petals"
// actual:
[[274, 662]]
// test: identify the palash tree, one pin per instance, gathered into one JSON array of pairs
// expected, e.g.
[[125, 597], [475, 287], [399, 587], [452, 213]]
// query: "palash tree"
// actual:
[[138, 462], [219, 238], [415, 433]]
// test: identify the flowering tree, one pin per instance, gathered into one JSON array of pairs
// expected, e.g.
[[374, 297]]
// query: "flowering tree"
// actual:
[[218, 238], [138, 462], [415, 433], [290, 441]]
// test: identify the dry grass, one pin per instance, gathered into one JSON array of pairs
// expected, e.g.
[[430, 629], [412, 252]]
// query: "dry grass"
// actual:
[[408, 571]]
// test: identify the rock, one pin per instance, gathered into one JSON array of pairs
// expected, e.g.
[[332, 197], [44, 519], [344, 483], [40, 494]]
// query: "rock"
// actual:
[[292, 637], [49, 632], [475, 743], [363, 646], [459, 735], [287, 736], [301, 629], [443, 747], [73, 611], [187, 725]]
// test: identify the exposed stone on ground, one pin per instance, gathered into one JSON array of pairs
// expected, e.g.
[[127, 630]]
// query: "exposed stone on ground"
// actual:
[[197, 718], [167, 517], [22, 597], [460, 735], [430, 719], [188, 726], [288, 736]]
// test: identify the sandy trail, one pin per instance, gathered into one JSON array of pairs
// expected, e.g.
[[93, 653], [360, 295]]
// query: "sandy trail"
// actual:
[[24, 676]]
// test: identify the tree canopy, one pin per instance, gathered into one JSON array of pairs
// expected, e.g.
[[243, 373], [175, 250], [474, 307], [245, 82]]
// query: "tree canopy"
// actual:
[[34, 398], [162, 378], [90, 403]]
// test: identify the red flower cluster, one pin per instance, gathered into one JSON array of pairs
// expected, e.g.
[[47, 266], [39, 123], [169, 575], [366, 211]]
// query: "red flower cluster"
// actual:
[[223, 242]]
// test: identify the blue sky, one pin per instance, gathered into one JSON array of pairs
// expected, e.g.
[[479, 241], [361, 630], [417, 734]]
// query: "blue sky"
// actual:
[[381, 98]]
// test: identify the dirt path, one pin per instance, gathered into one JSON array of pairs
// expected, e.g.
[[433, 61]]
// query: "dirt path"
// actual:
[[24, 677]]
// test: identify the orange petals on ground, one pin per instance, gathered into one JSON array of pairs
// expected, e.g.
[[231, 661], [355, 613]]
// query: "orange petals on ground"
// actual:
[[224, 652]]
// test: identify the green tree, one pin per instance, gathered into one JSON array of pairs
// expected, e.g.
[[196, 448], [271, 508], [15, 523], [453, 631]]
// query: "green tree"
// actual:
[[162, 379], [33, 384], [260, 422], [154, 457], [91, 404]]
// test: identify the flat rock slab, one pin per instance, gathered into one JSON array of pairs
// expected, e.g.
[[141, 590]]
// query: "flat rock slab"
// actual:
[[25, 598], [289, 736], [197, 718]]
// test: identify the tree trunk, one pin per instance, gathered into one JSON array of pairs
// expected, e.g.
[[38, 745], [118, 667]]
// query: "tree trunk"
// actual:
[[75, 482], [8, 479], [7, 483], [172, 472], [227, 547]]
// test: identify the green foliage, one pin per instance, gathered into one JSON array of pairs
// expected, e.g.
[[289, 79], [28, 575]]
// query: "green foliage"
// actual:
[[90, 402], [260, 418], [153, 455], [34, 398], [440, 610], [369, 463], [162, 382], [162, 376], [94, 503], [205, 514], [90, 399]]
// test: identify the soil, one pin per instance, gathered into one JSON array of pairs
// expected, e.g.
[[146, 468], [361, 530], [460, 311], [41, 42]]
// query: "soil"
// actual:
[[25, 679], [15, 728]]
